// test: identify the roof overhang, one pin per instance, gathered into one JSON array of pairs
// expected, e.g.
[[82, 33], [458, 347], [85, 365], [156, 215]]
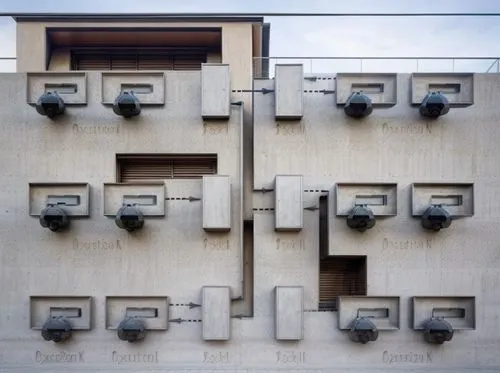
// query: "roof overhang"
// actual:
[[135, 17]]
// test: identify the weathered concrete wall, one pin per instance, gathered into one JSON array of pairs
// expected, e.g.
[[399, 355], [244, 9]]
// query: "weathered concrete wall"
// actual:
[[173, 256], [391, 145]]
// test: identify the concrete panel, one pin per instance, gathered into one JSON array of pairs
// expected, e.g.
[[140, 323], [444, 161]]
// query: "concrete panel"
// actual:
[[289, 312], [382, 311], [381, 198], [380, 88], [78, 310], [458, 88], [215, 91], [289, 91], [216, 203], [289, 209], [458, 199], [70, 86], [148, 87], [459, 311], [153, 310], [148, 197], [216, 313], [73, 198]]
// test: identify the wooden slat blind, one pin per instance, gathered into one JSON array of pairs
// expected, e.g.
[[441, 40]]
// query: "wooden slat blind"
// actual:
[[138, 61], [142, 168], [339, 275]]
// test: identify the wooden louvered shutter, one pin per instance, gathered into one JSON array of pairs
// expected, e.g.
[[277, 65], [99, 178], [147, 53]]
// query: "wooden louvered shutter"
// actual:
[[145, 60], [340, 275], [152, 62], [92, 63], [143, 168], [188, 62], [123, 62]]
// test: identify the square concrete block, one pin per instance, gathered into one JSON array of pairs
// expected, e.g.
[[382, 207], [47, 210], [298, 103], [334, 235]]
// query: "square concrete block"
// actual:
[[77, 310], [216, 303], [459, 311], [148, 87], [70, 86], [457, 199], [216, 203], [148, 197], [381, 198], [380, 88], [289, 92], [73, 198], [215, 91], [289, 312], [457, 87], [153, 310], [383, 311], [289, 209]]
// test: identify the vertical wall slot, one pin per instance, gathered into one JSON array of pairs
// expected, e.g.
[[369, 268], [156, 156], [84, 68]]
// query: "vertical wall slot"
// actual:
[[137, 88], [63, 88]]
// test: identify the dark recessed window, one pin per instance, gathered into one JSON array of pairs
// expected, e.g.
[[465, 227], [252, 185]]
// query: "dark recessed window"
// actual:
[[144, 167], [340, 275]]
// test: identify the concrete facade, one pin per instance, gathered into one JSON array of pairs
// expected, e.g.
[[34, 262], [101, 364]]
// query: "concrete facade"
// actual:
[[173, 256]]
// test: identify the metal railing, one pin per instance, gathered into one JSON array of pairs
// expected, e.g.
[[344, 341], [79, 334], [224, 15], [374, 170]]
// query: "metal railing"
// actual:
[[7, 64], [264, 66]]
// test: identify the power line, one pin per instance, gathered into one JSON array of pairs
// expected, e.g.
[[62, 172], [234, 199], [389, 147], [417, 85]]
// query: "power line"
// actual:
[[238, 15]]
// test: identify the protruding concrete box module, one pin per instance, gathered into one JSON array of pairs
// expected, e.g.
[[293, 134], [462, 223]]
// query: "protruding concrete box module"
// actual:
[[148, 197], [70, 86], [459, 311], [216, 203], [288, 92], [216, 302], [383, 311], [152, 309], [289, 209], [215, 91], [381, 198], [289, 311], [456, 198], [380, 88], [148, 87], [74, 198], [458, 88], [76, 309]]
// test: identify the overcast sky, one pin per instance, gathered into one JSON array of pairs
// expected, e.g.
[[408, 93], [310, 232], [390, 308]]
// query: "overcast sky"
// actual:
[[319, 36]]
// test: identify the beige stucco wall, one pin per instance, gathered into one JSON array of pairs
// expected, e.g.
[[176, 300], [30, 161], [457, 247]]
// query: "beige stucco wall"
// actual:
[[236, 44]]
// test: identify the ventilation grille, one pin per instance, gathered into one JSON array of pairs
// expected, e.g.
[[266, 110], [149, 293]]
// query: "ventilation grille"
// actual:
[[143, 168], [340, 275]]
